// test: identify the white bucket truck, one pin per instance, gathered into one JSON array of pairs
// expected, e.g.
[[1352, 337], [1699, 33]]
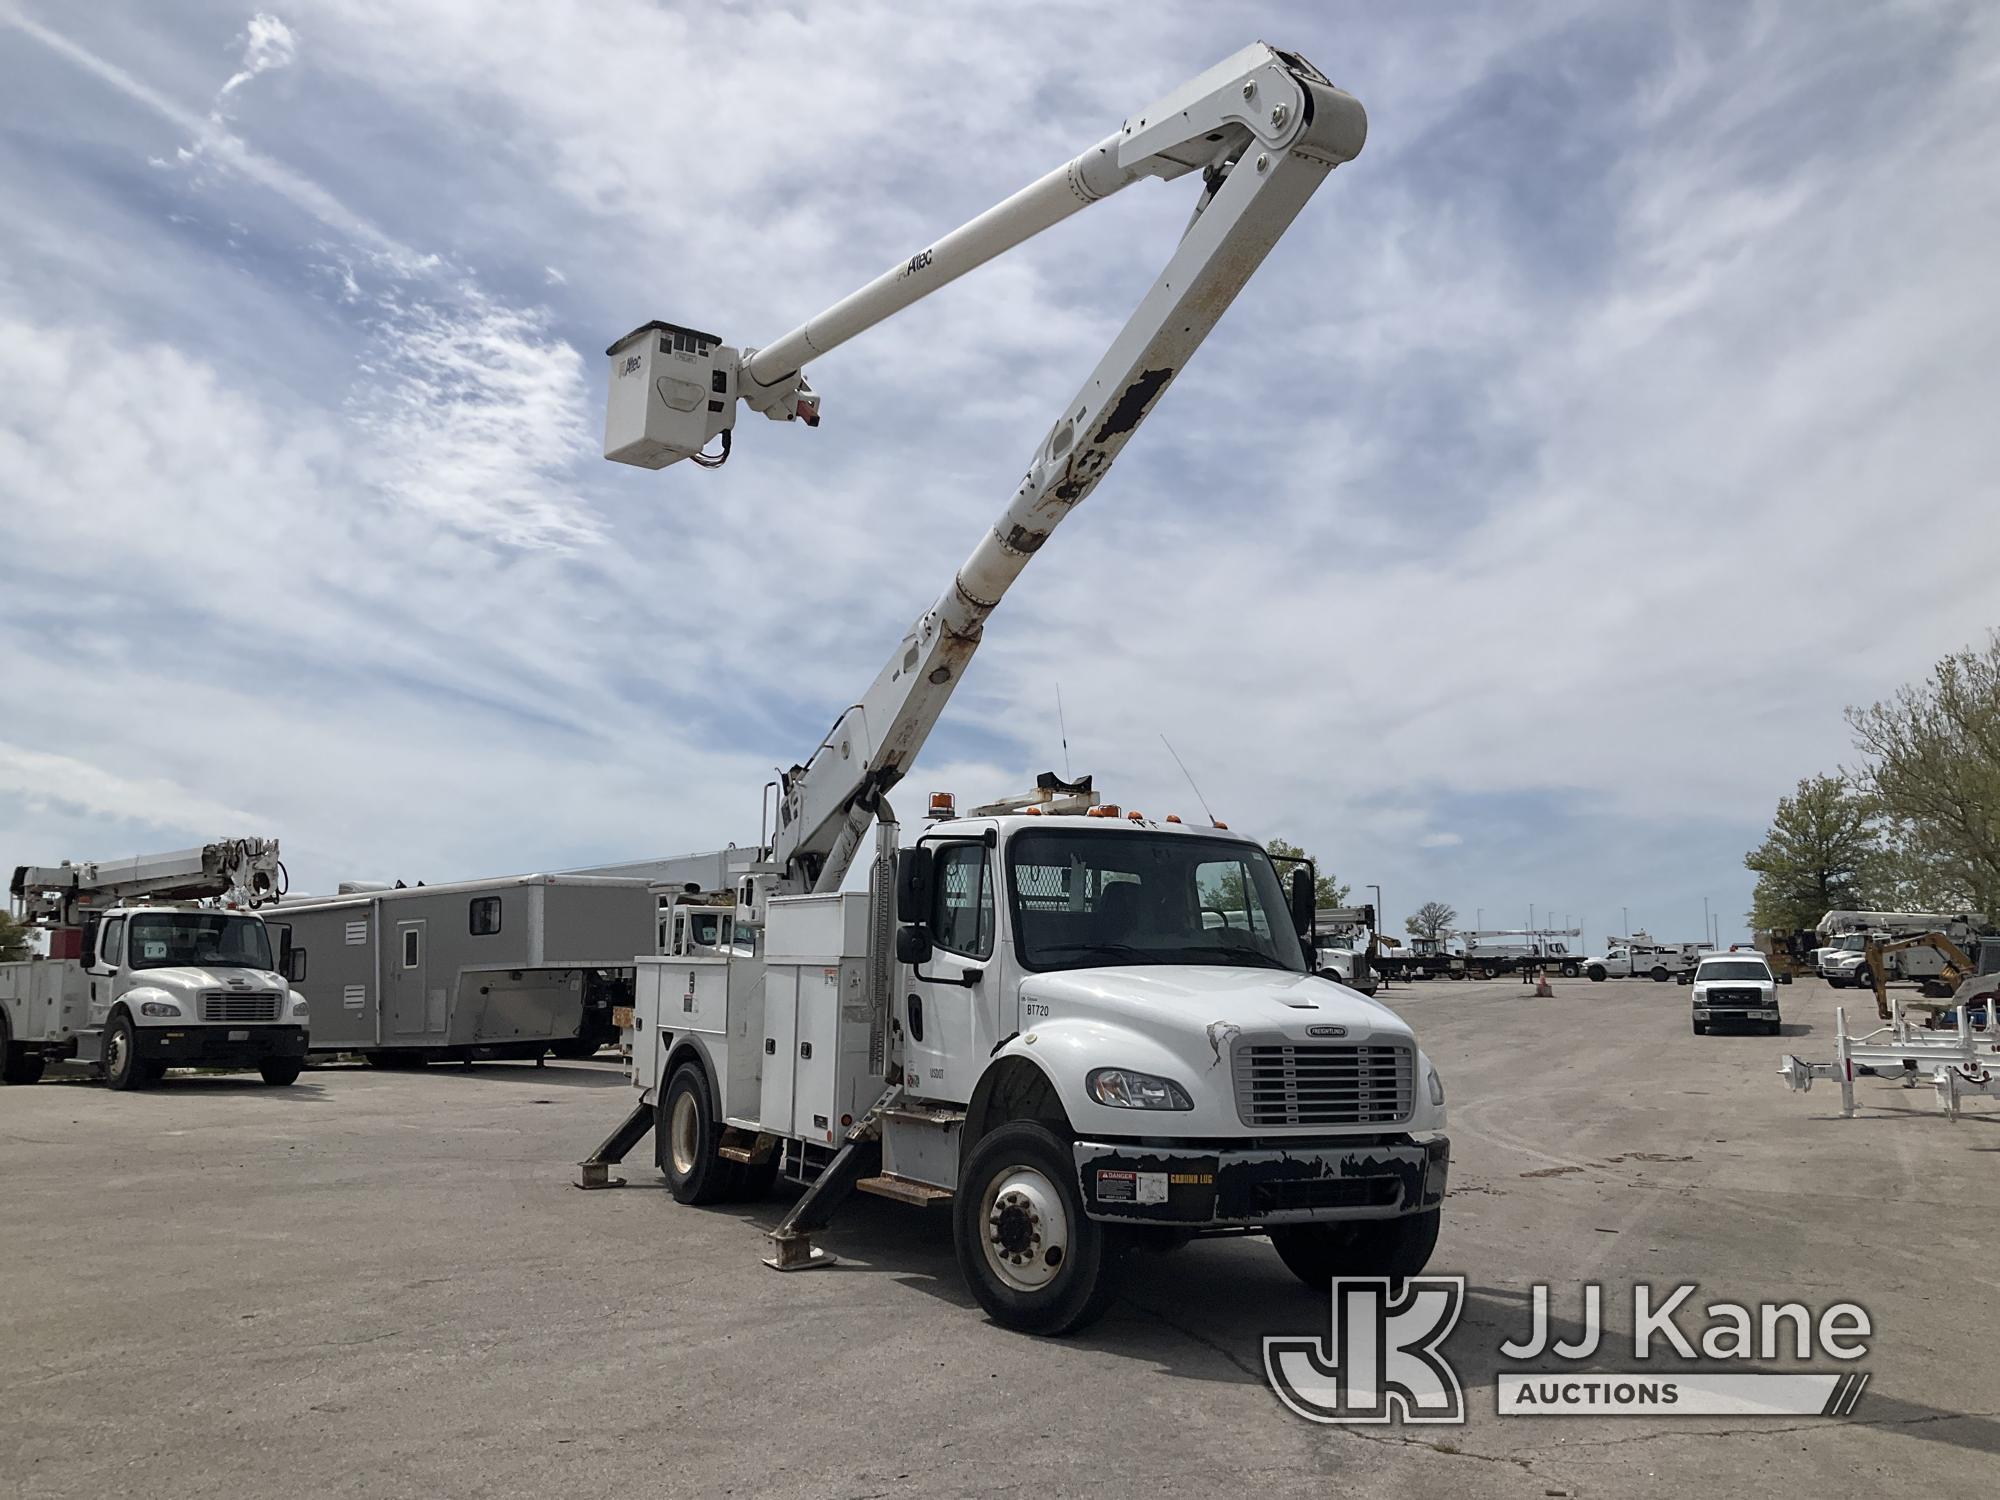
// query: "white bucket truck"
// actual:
[[1081, 1029], [153, 963]]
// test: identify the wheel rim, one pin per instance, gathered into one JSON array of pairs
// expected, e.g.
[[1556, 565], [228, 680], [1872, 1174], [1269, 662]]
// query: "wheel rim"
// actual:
[[116, 1051], [684, 1133], [1024, 1229]]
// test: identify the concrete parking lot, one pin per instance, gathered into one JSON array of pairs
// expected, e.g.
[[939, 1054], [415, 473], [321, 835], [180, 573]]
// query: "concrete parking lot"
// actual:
[[383, 1284]]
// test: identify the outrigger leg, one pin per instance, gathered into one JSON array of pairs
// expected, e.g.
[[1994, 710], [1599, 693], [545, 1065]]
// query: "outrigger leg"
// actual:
[[594, 1171]]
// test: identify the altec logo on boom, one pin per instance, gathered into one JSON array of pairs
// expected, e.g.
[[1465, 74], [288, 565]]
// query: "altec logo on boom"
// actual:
[[1382, 1358]]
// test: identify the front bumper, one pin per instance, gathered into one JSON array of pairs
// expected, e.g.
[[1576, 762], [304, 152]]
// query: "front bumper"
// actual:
[[1227, 1187], [1736, 1012], [217, 1046]]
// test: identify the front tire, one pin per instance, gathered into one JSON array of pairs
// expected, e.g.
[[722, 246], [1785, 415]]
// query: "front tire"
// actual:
[[1031, 1257], [122, 1068], [1396, 1248], [1701, 1028], [688, 1137], [279, 1071], [1597, 973]]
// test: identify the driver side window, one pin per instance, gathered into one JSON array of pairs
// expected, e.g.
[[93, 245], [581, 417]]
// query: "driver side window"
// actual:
[[1228, 899], [112, 953], [962, 918]]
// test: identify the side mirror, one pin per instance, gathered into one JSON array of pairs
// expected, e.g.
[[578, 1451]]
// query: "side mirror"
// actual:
[[1303, 905], [913, 943], [915, 876]]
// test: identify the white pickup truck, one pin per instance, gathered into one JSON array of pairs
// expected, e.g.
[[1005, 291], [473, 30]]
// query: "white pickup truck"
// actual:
[[1736, 988]]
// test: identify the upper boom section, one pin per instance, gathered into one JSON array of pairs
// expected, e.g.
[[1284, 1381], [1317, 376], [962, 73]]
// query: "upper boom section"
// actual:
[[245, 872], [1263, 129]]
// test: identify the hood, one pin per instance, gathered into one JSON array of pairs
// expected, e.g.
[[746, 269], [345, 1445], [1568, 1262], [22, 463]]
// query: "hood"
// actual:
[[1178, 999], [229, 981]]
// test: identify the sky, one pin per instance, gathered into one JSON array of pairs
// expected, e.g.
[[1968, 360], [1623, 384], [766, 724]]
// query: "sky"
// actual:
[[1622, 413]]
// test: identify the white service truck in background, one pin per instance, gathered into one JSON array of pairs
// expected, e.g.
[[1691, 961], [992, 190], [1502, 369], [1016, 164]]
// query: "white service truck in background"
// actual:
[[153, 963], [1640, 957], [1080, 1028], [1842, 960]]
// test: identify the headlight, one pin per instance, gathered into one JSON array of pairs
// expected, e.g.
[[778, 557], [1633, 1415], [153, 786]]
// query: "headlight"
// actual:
[[1437, 1089], [1123, 1089], [158, 1008], [299, 1007]]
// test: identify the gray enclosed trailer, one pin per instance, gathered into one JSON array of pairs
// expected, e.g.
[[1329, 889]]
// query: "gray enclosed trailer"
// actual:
[[513, 967]]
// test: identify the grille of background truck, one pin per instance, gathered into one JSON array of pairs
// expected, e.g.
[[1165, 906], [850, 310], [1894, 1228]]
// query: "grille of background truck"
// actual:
[[219, 1006], [1340, 1084]]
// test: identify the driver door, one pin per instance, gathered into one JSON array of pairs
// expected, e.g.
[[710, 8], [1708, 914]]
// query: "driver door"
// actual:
[[949, 1011], [104, 968]]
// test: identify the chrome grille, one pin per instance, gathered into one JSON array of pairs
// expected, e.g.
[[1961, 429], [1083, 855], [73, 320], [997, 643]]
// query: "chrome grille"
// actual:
[[1735, 997], [1342, 1084], [220, 1005]]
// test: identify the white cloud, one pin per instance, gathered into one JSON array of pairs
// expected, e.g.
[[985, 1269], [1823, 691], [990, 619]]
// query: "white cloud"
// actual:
[[1533, 485], [268, 44]]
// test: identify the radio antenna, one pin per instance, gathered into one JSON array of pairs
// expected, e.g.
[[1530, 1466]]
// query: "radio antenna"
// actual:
[[1064, 728], [1190, 780]]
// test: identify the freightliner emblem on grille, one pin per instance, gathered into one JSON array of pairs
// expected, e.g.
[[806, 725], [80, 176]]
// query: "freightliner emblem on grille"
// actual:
[[1326, 1031]]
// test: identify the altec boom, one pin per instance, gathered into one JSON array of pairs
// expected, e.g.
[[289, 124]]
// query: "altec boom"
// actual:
[[1081, 1031]]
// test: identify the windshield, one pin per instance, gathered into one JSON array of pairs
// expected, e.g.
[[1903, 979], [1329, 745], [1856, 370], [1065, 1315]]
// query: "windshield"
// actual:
[[1088, 898], [203, 939], [1854, 942], [1733, 968]]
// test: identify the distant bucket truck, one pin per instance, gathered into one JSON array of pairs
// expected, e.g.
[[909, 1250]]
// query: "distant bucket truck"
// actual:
[[1079, 1028], [157, 962]]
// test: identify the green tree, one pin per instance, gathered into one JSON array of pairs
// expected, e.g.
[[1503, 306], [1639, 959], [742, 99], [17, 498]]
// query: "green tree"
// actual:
[[1326, 890], [1933, 769], [13, 939], [1821, 855], [1432, 920]]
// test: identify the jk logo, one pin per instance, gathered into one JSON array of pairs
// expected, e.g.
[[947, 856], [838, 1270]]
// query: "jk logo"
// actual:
[[1380, 1359]]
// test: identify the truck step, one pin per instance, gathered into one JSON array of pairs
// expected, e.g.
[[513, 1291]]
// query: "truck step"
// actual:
[[904, 1190], [747, 1148]]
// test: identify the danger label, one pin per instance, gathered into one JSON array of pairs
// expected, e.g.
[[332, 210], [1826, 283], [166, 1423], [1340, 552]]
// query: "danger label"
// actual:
[[1114, 1186]]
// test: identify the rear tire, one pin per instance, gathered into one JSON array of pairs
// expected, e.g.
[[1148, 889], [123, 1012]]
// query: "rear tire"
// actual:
[[279, 1071], [1396, 1248], [1659, 974], [688, 1135], [574, 1048], [122, 1068], [1026, 1250]]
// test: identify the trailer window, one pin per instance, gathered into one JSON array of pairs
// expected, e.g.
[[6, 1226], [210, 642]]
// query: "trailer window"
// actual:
[[963, 919], [484, 917], [409, 947]]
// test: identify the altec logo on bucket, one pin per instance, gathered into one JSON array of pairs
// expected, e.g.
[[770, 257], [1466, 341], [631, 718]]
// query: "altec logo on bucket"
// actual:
[[1382, 1358]]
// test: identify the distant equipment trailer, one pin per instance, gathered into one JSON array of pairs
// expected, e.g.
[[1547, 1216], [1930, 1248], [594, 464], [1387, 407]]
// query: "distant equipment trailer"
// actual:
[[508, 968]]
